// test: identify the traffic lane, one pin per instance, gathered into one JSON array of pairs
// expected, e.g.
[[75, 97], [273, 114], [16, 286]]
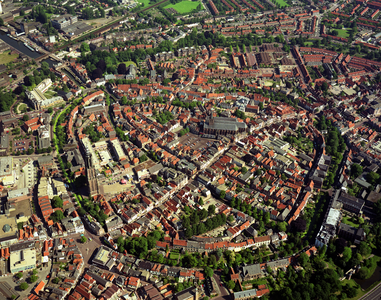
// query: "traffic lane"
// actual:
[[224, 294], [374, 294]]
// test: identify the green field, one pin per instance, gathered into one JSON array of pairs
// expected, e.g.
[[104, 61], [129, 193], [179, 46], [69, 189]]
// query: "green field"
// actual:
[[348, 221], [184, 7], [145, 2], [127, 63], [343, 33], [6, 57], [282, 3], [174, 255]]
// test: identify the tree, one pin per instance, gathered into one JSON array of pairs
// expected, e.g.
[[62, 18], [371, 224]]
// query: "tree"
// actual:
[[356, 170], [1, 22], [25, 117], [19, 275], [364, 249], [97, 73], [201, 202], [50, 110], [85, 47], [363, 273], [303, 259], [231, 218], [57, 216], [23, 286], [211, 209], [101, 65], [209, 272], [81, 211], [299, 225], [122, 69], [83, 239], [56, 280], [57, 202], [282, 226], [347, 254], [33, 278], [222, 195], [373, 178], [231, 284], [324, 86], [34, 272]]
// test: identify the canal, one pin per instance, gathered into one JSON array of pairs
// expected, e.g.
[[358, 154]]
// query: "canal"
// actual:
[[366, 283], [19, 46]]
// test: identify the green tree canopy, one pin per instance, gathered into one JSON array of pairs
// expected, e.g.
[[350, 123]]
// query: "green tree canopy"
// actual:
[[57, 202], [356, 170], [209, 272], [57, 216]]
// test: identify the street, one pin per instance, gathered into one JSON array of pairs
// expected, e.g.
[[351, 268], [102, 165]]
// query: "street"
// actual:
[[41, 276], [373, 294], [224, 294]]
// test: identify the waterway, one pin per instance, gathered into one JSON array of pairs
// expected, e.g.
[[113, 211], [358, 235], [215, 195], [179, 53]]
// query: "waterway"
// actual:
[[366, 283], [19, 46]]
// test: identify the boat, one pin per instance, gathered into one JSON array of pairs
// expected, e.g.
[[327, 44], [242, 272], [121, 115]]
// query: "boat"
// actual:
[[29, 47], [12, 37]]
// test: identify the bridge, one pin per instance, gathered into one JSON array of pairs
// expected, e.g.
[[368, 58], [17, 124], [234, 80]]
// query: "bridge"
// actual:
[[49, 55]]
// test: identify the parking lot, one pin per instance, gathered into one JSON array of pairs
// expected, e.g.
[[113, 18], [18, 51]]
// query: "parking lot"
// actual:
[[195, 142], [22, 145]]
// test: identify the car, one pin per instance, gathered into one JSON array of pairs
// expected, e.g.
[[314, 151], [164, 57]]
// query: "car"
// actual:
[[47, 276]]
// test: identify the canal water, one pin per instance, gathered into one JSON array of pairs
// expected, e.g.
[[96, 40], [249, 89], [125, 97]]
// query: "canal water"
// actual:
[[21, 47], [18, 45], [366, 283]]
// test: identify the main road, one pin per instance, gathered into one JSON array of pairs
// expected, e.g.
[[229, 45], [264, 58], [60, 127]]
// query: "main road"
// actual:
[[374, 294]]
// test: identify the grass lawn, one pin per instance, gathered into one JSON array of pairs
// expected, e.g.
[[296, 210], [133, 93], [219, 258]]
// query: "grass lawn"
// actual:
[[127, 63], [282, 3], [174, 255], [145, 2], [346, 220], [22, 107], [308, 44], [184, 7], [7, 58], [344, 33]]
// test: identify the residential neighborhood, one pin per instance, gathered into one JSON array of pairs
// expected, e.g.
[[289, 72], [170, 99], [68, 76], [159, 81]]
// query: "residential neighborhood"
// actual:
[[190, 150]]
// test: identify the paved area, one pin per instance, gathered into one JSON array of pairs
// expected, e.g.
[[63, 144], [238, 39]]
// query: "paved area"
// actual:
[[224, 293], [87, 249], [23, 294], [373, 294]]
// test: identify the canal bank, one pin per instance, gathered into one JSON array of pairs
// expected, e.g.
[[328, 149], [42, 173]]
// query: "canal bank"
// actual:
[[21, 48]]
